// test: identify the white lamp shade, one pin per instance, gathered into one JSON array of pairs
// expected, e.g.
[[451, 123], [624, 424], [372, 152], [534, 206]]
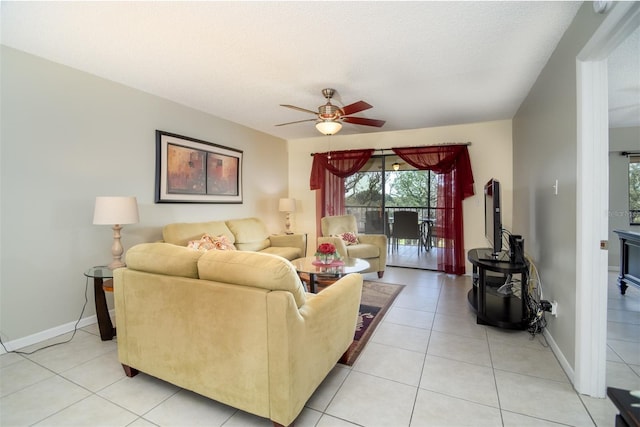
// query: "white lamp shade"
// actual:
[[287, 205], [115, 210], [328, 127]]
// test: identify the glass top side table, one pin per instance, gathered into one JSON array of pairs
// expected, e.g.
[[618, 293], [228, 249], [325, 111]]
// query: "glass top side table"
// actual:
[[102, 278]]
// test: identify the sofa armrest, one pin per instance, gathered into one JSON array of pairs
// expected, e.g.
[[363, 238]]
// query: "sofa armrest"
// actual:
[[379, 240], [296, 240], [305, 347], [337, 242], [333, 312]]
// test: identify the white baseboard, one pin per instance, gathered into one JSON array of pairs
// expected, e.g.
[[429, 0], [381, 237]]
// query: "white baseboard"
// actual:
[[50, 333], [564, 364]]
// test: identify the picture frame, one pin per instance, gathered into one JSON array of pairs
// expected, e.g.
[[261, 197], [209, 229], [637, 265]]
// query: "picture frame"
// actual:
[[190, 170]]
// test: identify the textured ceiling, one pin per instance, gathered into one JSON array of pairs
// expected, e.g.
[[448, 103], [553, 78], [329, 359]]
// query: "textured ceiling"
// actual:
[[624, 83], [420, 64]]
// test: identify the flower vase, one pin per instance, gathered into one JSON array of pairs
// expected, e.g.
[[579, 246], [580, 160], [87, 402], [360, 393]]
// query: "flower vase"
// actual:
[[326, 259]]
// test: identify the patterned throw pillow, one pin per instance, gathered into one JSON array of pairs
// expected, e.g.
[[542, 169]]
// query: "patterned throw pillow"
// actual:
[[349, 238], [207, 243]]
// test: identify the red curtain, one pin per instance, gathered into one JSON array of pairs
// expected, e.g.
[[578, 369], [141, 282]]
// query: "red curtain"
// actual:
[[327, 175], [455, 183]]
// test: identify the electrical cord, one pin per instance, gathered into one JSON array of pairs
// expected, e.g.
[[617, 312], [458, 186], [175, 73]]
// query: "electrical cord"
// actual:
[[75, 329], [533, 300], [533, 296]]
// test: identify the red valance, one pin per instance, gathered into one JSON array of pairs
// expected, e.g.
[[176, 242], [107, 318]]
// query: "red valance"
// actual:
[[442, 159], [339, 163]]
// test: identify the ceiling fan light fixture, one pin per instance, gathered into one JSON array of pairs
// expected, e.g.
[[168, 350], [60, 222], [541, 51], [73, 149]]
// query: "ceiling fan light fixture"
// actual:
[[328, 127]]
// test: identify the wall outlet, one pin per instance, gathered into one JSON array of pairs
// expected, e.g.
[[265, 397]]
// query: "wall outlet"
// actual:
[[554, 308]]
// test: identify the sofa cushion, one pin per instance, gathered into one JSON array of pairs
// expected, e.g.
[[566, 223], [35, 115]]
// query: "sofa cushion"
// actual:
[[180, 233], [164, 258], [257, 269], [335, 225], [364, 250], [250, 234], [283, 251]]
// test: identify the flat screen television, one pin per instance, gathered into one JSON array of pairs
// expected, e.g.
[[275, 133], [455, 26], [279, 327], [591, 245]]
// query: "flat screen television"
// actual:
[[492, 216]]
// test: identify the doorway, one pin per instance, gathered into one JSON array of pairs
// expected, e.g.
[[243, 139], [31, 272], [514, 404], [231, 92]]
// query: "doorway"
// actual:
[[592, 196]]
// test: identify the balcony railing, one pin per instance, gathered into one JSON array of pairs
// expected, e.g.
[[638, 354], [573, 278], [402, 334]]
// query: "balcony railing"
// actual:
[[367, 226]]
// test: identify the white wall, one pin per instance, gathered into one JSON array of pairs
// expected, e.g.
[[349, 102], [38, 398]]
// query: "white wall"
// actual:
[[620, 139], [545, 149], [67, 137], [490, 153]]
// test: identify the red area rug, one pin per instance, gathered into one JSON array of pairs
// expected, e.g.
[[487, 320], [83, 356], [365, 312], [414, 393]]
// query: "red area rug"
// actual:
[[376, 299]]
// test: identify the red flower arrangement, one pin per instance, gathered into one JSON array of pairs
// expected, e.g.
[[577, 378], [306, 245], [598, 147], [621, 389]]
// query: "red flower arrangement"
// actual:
[[327, 253], [326, 249]]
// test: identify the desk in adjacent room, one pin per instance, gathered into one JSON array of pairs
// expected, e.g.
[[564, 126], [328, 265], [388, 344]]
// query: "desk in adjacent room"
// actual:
[[629, 259]]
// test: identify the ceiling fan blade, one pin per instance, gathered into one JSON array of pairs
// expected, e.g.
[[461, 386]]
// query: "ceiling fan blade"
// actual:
[[356, 107], [363, 121], [299, 109], [299, 121]]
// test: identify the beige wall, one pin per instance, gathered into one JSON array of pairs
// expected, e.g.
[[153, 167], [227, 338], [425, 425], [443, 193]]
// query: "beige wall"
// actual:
[[490, 153], [544, 148], [68, 137], [620, 139]]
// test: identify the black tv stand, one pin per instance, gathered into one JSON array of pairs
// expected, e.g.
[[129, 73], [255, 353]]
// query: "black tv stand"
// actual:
[[495, 303], [495, 260]]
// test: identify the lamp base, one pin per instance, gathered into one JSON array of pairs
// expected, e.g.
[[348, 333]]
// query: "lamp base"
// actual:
[[117, 249], [287, 224], [116, 264]]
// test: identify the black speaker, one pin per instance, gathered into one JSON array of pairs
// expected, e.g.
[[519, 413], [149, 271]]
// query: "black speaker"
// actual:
[[516, 248]]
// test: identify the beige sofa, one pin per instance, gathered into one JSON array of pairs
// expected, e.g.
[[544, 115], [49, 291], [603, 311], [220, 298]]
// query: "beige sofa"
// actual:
[[247, 234], [234, 326], [372, 247]]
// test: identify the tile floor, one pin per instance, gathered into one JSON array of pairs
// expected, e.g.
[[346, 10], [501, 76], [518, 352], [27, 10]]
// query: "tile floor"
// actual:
[[406, 254], [428, 364]]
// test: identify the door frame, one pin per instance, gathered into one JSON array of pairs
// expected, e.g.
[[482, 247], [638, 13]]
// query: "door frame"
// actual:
[[592, 203]]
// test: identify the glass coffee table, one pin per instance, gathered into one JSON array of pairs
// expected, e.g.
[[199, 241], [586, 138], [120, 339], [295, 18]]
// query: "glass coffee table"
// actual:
[[335, 270]]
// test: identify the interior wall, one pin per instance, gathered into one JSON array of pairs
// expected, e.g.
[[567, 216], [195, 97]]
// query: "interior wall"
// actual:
[[490, 153], [620, 139], [67, 137], [545, 150]]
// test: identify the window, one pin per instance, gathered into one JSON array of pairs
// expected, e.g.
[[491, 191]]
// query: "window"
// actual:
[[634, 190]]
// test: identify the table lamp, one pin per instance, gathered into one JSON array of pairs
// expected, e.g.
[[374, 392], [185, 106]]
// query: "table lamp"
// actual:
[[288, 206], [116, 211]]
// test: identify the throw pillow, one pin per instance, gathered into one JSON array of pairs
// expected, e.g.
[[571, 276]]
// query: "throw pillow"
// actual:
[[207, 243], [222, 243], [348, 238]]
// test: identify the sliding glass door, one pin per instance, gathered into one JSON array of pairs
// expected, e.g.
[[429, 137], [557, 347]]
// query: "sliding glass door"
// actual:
[[385, 185]]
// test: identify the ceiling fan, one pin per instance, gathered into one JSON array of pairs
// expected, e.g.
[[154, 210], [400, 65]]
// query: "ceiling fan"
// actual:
[[329, 116]]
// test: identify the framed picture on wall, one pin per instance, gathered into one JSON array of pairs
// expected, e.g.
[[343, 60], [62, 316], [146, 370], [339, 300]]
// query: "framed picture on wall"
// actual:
[[189, 170]]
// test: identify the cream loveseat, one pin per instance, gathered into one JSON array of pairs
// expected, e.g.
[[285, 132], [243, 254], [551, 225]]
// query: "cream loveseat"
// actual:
[[233, 326], [247, 234], [372, 247]]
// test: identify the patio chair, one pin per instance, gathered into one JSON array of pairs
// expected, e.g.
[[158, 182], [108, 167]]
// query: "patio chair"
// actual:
[[406, 226]]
